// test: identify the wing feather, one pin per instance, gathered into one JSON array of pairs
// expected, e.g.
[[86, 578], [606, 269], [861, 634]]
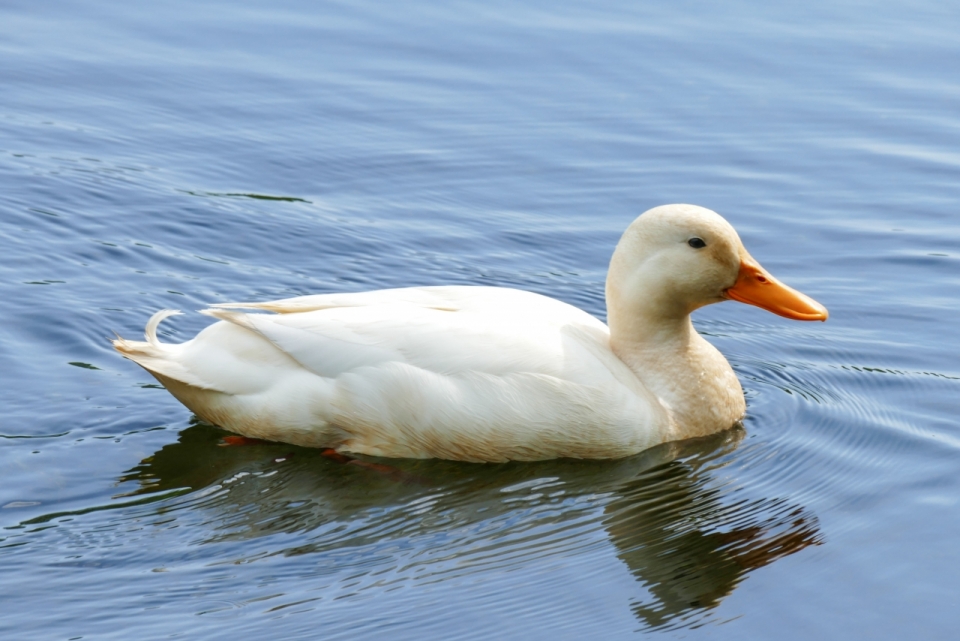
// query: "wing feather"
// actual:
[[445, 330]]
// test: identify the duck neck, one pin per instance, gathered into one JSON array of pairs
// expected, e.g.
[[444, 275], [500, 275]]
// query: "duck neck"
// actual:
[[641, 331], [689, 376]]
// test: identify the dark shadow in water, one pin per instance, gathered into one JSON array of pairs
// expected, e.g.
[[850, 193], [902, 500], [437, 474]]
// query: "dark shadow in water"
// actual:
[[691, 545], [684, 536]]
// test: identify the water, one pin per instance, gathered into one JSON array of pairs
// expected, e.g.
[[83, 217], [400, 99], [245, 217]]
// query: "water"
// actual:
[[172, 154]]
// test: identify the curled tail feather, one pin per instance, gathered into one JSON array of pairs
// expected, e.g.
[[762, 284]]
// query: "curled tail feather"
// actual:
[[159, 358], [150, 331], [153, 348]]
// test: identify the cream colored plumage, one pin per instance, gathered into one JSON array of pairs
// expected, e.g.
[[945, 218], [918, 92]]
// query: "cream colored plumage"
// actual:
[[477, 373]]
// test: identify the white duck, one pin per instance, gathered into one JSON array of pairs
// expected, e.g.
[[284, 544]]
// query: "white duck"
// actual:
[[486, 373]]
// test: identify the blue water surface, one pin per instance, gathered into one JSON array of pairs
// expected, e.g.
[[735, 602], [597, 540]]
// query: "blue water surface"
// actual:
[[175, 154]]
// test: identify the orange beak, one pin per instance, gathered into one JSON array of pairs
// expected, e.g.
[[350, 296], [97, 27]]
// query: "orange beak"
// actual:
[[755, 286]]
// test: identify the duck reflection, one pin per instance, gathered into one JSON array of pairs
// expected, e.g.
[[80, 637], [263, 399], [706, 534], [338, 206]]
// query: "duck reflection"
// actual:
[[691, 546], [684, 535]]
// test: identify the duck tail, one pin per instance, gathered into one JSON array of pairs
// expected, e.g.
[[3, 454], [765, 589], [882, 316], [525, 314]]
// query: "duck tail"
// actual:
[[153, 348], [158, 358]]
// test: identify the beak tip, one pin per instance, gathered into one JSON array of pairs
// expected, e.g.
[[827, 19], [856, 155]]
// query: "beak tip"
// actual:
[[820, 314]]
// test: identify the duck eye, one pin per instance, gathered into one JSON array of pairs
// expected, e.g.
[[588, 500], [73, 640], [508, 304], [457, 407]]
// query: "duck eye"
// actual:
[[696, 243]]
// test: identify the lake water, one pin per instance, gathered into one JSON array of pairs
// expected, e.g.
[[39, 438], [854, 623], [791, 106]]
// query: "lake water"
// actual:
[[176, 154]]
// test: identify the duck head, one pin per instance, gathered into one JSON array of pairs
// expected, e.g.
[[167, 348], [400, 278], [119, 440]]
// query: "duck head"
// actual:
[[674, 259]]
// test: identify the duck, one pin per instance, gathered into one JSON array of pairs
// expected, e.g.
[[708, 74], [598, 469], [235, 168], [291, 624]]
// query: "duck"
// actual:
[[485, 374]]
